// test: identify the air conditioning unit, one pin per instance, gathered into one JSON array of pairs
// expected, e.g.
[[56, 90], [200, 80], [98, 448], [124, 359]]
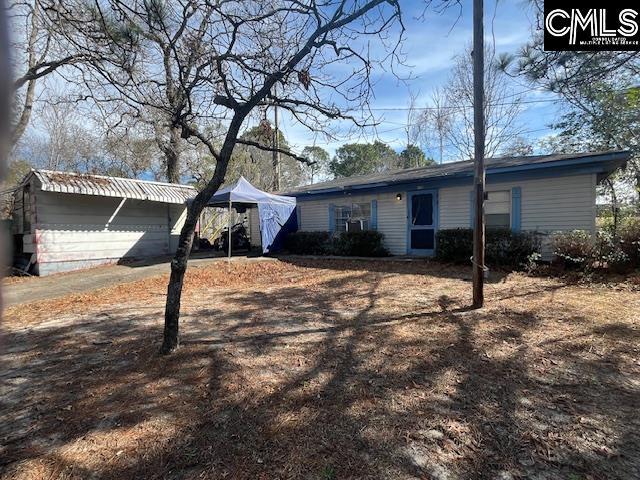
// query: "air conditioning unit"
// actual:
[[357, 225]]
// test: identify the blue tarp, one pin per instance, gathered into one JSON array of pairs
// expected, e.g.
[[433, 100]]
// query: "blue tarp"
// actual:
[[277, 212]]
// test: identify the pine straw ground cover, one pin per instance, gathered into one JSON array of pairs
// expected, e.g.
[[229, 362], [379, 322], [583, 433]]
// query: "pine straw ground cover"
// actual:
[[326, 370]]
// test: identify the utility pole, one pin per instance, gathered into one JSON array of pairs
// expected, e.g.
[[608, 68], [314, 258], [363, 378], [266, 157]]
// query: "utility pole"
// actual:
[[276, 142], [479, 138]]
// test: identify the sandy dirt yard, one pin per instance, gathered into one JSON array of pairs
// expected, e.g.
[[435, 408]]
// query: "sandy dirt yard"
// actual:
[[307, 369]]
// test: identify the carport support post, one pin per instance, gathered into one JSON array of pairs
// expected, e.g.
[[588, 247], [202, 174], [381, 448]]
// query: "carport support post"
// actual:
[[479, 138], [229, 224]]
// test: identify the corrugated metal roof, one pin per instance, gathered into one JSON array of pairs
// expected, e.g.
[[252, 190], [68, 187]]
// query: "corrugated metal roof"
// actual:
[[85, 184], [456, 169]]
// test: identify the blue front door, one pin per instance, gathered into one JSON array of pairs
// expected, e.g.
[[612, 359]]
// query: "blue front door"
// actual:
[[422, 222]]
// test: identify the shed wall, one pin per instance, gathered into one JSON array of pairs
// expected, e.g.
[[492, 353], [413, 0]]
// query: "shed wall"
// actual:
[[76, 231]]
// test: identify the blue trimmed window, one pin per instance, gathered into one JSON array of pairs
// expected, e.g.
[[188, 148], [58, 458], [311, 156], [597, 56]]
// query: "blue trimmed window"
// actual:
[[502, 209], [353, 217], [497, 209]]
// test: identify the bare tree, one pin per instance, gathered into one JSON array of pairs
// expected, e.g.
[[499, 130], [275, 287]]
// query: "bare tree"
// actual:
[[61, 141], [38, 53], [519, 147], [130, 152], [502, 107], [137, 53], [224, 59], [254, 164], [66, 138], [414, 126], [436, 122]]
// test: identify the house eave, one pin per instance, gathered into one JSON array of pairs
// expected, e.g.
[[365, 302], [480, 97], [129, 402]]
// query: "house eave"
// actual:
[[601, 164]]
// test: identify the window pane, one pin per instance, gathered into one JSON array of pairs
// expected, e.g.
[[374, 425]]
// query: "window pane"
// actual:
[[499, 220], [502, 196], [497, 208], [357, 225], [361, 210], [498, 202], [342, 217], [422, 239], [422, 209], [353, 218]]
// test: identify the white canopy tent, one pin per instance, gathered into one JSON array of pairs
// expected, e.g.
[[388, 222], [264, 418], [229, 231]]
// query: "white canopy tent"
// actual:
[[243, 194]]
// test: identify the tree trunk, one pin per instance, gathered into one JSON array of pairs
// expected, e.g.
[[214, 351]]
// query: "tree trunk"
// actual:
[[172, 156], [171, 339], [179, 262], [638, 188], [614, 205], [25, 115], [27, 106], [174, 289]]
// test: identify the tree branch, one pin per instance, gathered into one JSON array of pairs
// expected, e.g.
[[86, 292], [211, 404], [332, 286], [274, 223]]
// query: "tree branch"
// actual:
[[299, 158]]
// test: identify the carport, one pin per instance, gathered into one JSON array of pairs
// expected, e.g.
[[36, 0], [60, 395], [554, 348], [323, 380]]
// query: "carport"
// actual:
[[276, 212]]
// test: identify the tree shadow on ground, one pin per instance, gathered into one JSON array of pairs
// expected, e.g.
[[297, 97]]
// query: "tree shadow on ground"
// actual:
[[420, 266], [332, 380]]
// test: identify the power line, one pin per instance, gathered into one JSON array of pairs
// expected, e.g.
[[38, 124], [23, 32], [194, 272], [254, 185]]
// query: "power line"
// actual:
[[458, 107], [524, 132], [540, 100]]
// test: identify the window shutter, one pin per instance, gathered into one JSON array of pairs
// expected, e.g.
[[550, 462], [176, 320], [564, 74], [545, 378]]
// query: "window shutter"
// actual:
[[332, 218], [374, 215], [472, 208], [516, 209]]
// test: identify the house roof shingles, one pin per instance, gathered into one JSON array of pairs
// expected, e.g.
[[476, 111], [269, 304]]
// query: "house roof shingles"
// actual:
[[459, 169]]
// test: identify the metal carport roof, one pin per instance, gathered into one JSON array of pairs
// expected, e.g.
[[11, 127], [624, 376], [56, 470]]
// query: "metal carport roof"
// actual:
[[86, 184]]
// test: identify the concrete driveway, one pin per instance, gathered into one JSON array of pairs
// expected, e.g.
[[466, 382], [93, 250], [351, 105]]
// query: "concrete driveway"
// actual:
[[54, 286]]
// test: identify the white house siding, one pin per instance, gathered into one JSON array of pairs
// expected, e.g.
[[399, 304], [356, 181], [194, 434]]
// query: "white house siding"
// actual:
[[547, 205], [76, 231], [177, 216], [313, 215]]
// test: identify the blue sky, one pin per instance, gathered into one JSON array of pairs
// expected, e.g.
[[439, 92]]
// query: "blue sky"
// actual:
[[430, 43], [432, 39]]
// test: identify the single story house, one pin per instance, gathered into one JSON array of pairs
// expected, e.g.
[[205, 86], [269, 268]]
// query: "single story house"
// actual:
[[66, 221], [544, 193]]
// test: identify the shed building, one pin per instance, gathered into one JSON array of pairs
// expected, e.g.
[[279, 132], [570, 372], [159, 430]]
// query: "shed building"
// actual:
[[66, 221]]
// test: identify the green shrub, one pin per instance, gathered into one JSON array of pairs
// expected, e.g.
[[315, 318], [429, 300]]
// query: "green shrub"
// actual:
[[618, 253], [308, 243], [608, 253], [368, 243], [454, 245], [575, 249], [503, 246], [508, 248], [629, 233]]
